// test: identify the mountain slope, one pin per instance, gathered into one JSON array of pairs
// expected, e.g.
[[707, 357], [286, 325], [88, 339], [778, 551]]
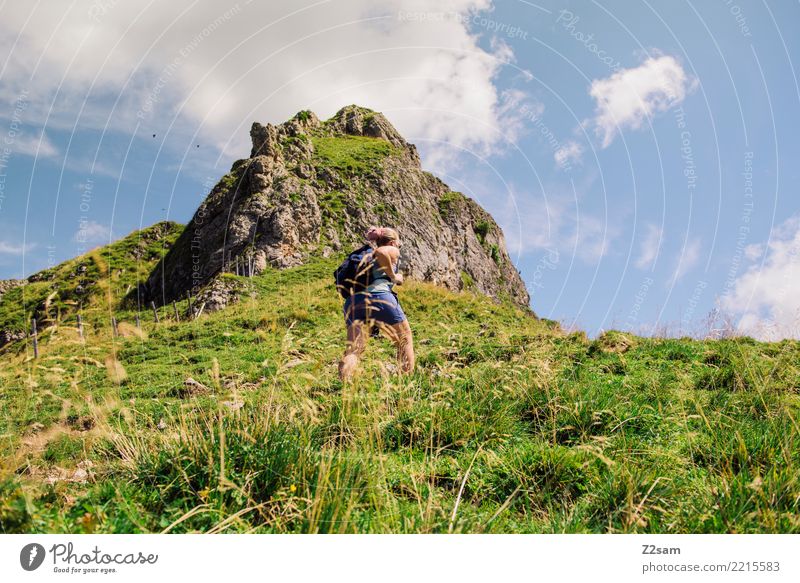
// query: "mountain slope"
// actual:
[[311, 189], [101, 276], [236, 422]]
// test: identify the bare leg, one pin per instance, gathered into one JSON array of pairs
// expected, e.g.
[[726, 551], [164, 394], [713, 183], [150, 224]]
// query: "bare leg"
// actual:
[[400, 334], [357, 334]]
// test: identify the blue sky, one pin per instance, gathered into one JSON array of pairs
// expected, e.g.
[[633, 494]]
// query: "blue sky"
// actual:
[[640, 156]]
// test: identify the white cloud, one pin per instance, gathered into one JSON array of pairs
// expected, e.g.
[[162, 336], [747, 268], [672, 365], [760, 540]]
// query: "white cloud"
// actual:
[[214, 68], [766, 297], [38, 146], [15, 248], [628, 98], [686, 260], [650, 247], [753, 252], [92, 232], [569, 152]]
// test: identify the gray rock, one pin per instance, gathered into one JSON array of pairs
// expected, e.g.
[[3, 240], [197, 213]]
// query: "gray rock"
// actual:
[[8, 336], [192, 388], [218, 294], [6, 285]]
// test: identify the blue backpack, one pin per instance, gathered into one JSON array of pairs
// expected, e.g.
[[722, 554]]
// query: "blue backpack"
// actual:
[[355, 272]]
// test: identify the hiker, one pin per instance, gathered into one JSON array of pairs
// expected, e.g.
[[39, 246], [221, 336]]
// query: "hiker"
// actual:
[[365, 279]]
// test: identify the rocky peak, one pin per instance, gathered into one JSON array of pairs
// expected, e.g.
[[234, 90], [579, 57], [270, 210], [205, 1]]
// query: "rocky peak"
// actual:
[[350, 120], [360, 121], [312, 188]]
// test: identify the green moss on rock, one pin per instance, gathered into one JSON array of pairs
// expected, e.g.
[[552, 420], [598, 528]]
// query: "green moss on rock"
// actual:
[[481, 229], [449, 201]]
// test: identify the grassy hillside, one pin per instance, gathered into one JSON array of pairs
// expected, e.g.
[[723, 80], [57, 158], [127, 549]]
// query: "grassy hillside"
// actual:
[[97, 279], [508, 425]]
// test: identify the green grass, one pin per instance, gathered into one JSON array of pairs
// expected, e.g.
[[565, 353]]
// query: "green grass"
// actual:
[[547, 432], [351, 155], [332, 203]]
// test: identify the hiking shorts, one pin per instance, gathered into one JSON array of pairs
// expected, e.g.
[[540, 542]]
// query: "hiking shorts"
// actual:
[[379, 306]]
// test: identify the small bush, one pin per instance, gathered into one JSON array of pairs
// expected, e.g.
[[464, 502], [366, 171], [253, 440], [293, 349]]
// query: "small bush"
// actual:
[[481, 229], [494, 252], [448, 202]]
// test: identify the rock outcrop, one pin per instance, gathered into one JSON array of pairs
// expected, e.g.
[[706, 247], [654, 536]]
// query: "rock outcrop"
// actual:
[[7, 285], [312, 188]]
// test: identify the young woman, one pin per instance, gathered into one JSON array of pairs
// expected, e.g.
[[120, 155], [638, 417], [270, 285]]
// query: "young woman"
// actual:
[[378, 305]]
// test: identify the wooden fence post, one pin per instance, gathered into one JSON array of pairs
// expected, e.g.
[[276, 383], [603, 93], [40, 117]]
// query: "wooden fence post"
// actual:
[[138, 322], [114, 330], [175, 307], [155, 312], [35, 339]]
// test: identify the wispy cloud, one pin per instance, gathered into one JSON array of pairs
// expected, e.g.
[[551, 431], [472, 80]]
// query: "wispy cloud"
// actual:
[[592, 237], [568, 153], [686, 260], [628, 98], [562, 223], [38, 145], [92, 232], [7, 248], [650, 247]]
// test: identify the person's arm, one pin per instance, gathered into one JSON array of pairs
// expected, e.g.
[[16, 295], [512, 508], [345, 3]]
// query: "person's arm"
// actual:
[[386, 256]]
